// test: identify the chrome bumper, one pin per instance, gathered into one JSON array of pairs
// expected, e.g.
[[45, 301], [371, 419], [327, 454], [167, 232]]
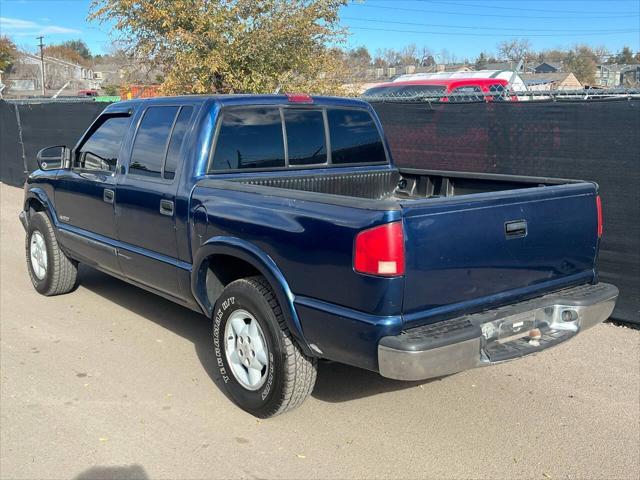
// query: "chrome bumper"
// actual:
[[496, 335]]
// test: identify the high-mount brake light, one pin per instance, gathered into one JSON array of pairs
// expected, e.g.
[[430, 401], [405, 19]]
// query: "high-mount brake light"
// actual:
[[599, 210], [299, 98], [380, 251]]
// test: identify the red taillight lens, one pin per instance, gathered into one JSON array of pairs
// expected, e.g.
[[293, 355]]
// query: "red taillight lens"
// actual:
[[380, 251], [599, 210], [299, 98]]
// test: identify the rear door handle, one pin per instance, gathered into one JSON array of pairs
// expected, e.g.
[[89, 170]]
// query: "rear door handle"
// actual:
[[108, 195], [166, 208]]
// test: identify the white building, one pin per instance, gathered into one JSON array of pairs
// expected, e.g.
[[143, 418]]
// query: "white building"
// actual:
[[26, 75], [514, 78]]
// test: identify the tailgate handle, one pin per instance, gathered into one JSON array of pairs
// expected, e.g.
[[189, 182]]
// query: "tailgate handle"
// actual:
[[515, 229]]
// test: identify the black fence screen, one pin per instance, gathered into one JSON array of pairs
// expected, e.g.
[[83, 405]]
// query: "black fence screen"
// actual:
[[595, 140], [25, 128]]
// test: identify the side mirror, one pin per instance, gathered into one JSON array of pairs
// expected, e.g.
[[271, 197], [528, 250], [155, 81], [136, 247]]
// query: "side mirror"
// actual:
[[54, 158]]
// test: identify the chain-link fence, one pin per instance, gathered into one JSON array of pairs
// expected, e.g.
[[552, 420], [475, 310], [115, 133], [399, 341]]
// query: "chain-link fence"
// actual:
[[593, 135], [26, 126], [62, 100], [496, 93], [596, 139]]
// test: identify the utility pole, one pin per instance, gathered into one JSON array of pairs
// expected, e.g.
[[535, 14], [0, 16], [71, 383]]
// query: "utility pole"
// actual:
[[41, 45]]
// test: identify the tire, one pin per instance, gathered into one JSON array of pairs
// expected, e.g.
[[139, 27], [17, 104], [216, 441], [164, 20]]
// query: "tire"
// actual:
[[56, 273], [288, 376]]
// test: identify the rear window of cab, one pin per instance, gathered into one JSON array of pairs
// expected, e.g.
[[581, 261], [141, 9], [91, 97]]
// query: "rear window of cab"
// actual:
[[270, 137]]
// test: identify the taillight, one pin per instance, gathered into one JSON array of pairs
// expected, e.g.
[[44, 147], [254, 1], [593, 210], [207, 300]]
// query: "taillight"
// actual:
[[299, 98], [599, 210], [380, 251]]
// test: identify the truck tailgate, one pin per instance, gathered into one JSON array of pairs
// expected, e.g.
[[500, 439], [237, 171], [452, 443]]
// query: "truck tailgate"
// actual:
[[467, 253]]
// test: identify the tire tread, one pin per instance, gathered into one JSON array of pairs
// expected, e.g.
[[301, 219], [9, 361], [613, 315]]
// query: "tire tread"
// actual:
[[300, 369], [64, 271]]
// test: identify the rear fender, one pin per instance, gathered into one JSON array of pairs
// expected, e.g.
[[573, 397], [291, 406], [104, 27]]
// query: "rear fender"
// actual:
[[262, 262]]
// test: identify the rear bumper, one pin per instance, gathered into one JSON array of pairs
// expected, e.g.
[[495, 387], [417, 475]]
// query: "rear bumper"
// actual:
[[495, 335]]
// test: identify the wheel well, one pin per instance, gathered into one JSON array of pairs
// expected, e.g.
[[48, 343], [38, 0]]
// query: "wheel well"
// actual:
[[222, 270], [218, 270], [35, 205]]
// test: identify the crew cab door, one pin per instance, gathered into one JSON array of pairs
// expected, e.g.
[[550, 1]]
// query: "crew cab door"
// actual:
[[146, 196], [85, 194]]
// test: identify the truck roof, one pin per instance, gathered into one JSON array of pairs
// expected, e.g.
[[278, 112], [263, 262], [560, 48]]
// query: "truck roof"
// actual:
[[239, 99]]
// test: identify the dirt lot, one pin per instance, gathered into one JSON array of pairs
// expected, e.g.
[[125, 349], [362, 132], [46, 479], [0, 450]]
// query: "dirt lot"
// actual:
[[114, 382]]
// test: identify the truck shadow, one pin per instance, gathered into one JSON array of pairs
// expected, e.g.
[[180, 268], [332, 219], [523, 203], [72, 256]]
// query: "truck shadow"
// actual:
[[124, 472], [335, 383], [338, 383]]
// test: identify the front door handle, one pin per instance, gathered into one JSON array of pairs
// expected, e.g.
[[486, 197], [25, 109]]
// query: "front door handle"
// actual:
[[166, 208], [108, 195]]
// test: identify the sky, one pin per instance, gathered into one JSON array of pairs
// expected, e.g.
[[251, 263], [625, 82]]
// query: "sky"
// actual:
[[462, 27]]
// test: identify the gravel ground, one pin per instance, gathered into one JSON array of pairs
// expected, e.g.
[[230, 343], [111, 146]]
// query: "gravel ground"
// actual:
[[113, 382]]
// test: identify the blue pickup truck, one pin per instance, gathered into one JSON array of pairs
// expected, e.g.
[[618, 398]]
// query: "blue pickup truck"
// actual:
[[283, 219]]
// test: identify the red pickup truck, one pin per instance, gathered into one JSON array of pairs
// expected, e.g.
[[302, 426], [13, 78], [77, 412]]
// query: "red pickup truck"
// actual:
[[453, 90]]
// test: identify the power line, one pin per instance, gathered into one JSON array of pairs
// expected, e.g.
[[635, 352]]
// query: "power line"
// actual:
[[487, 28], [509, 1], [517, 9], [551, 14], [477, 34]]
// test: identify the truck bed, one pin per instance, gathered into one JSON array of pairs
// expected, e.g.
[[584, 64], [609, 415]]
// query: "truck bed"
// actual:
[[396, 184]]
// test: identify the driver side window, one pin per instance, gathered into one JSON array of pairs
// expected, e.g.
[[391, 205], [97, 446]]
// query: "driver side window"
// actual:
[[100, 151]]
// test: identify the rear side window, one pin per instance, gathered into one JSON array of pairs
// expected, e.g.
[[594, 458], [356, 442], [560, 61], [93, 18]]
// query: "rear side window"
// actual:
[[100, 151], [150, 145], [306, 139], [249, 138], [431, 90], [354, 137], [471, 93], [175, 144]]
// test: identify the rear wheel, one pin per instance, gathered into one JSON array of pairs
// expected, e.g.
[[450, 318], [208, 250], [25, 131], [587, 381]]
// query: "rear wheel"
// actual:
[[262, 368], [50, 270]]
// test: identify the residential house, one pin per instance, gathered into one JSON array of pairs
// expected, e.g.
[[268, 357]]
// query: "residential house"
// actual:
[[612, 75], [458, 67], [608, 75], [111, 73], [500, 66], [25, 78], [630, 76], [125, 72], [548, 67], [551, 81]]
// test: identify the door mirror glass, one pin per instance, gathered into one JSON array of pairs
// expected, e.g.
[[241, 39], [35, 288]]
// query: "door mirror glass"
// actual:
[[53, 158]]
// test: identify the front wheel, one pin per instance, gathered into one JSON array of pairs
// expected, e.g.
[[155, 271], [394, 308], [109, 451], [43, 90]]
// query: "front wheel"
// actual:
[[50, 270], [262, 368]]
